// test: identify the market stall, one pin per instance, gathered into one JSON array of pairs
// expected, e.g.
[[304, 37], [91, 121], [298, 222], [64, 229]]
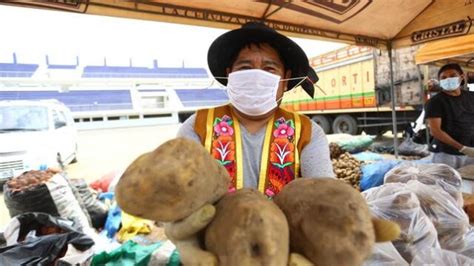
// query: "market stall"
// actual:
[[425, 200]]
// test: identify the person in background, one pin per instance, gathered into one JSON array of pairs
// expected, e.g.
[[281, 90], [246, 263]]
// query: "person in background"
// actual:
[[450, 116]]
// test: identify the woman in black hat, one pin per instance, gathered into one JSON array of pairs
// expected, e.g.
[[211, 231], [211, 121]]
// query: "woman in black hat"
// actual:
[[261, 145]]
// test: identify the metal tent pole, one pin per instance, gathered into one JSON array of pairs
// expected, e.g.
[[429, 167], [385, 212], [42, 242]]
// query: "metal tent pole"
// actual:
[[423, 102], [392, 94]]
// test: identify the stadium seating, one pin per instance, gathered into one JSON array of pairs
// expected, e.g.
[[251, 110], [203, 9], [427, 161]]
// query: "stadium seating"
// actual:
[[202, 97], [61, 66], [78, 101], [142, 72], [11, 70], [16, 70]]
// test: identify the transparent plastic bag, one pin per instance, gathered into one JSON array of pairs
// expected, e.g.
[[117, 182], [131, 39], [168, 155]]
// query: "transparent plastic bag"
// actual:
[[429, 174], [468, 249], [449, 219], [396, 203], [385, 254], [440, 257]]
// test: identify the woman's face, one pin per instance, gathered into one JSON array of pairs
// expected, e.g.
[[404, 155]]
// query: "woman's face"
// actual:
[[449, 73], [450, 80], [262, 57]]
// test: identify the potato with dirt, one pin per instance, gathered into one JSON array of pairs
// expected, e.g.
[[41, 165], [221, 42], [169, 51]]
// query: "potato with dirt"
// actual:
[[171, 182], [330, 222], [248, 229]]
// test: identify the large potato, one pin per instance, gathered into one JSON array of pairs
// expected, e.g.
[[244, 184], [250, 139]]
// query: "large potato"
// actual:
[[329, 221], [171, 182], [248, 229]]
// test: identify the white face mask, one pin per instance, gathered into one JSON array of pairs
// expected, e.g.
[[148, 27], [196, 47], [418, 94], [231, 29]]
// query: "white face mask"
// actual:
[[253, 92], [450, 84]]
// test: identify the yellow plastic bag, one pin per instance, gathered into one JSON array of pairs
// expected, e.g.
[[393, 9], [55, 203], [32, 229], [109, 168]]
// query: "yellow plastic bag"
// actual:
[[131, 226]]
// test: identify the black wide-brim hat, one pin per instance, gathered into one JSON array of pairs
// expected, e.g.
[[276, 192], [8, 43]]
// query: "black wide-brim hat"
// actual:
[[224, 49]]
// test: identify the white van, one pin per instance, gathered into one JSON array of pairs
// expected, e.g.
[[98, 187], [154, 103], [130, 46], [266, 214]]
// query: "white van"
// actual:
[[35, 135]]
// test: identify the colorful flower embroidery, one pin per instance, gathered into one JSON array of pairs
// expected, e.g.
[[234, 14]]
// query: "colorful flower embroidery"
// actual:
[[269, 193], [223, 127], [223, 146], [285, 129], [282, 156], [282, 153], [282, 148]]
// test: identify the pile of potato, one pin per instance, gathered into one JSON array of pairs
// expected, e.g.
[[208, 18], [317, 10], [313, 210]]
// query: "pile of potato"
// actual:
[[181, 185], [29, 180], [335, 150], [347, 169]]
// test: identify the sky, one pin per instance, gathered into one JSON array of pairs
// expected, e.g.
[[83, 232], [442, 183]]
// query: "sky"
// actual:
[[32, 33]]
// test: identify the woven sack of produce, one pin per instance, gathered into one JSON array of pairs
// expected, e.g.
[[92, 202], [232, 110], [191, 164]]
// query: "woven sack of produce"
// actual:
[[95, 208], [44, 191]]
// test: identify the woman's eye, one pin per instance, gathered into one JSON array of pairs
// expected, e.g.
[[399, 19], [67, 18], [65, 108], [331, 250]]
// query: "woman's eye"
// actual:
[[243, 68]]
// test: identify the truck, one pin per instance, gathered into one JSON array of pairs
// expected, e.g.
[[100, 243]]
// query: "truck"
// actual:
[[353, 92]]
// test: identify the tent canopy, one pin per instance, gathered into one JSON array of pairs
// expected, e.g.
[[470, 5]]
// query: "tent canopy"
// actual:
[[362, 22], [456, 50], [378, 23]]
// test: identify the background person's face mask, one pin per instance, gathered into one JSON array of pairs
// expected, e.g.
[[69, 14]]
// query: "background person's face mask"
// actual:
[[450, 84], [253, 92]]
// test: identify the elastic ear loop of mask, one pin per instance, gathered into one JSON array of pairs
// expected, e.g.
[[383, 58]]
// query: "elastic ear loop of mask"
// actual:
[[297, 84]]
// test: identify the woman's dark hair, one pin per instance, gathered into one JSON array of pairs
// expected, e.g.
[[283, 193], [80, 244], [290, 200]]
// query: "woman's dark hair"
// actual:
[[248, 44], [452, 66]]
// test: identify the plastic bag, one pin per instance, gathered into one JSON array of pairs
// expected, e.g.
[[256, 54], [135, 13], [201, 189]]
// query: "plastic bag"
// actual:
[[373, 174], [368, 156], [468, 249], [356, 144], [429, 174], [410, 148], [54, 197], [40, 239], [96, 209], [396, 203], [449, 219], [76, 257], [130, 253], [440, 257], [102, 184], [166, 254], [113, 222], [132, 226], [467, 171], [78, 196], [385, 254]]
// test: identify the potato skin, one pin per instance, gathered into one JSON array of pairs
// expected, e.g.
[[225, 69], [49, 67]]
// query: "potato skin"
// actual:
[[248, 229], [330, 222], [171, 182]]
